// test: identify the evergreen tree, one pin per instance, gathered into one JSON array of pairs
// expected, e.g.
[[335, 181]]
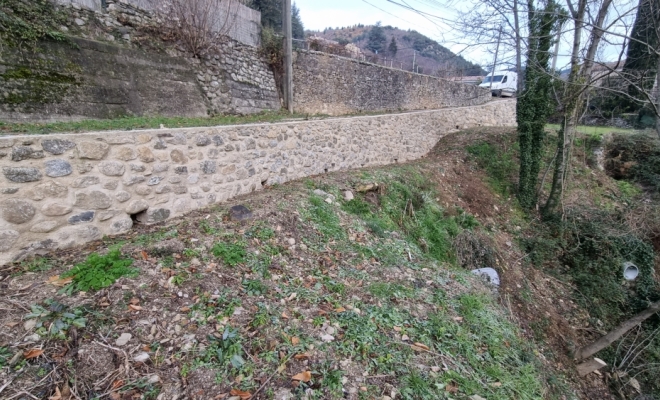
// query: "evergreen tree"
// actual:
[[641, 59], [271, 13], [297, 27], [393, 47], [271, 16], [377, 40]]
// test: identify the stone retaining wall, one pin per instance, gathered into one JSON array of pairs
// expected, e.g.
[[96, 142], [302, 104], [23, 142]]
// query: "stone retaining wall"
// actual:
[[61, 190], [107, 71], [334, 85]]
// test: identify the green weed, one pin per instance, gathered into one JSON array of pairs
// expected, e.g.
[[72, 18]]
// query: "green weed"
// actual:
[[55, 318], [5, 356], [223, 351], [628, 190], [99, 271], [255, 287], [231, 253], [260, 232], [38, 264]]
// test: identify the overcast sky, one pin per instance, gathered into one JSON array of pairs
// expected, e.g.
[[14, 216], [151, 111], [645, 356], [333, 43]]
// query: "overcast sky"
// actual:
[[320, 14]]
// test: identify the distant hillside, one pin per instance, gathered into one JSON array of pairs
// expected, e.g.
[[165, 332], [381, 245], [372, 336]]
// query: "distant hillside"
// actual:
[[431, 57]]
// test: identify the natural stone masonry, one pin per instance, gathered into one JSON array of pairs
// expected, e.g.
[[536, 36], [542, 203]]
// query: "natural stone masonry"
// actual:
[[329, 84], [87, 186]]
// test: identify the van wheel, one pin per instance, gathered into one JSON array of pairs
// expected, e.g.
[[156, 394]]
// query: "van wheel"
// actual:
[[498, 93]]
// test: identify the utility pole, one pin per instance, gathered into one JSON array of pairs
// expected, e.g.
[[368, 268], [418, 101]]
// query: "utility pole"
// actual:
[[414, 53], [497, 50], [288, 55]]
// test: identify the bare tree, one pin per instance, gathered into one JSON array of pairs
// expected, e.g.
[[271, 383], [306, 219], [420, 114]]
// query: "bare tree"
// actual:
[[582, 61], [198, 25]]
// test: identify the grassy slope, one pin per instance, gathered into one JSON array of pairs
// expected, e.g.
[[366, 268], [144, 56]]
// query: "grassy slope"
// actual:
[[130, 123], [378, 274]]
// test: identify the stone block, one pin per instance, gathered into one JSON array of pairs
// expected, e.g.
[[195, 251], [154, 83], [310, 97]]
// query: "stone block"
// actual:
[[208, 167], [47, 190], [21, 153], [92, 150], [7, 239], [87, 216], [112, 168], [132, 180], [56, 209], [137, 206], [121, 225], [122, 196], [44, 226], [178, 157], [154, 215], [57, 168], [17, 211], [95, 200], [146, 155], [85, 181], [125, 153], [21, 174]]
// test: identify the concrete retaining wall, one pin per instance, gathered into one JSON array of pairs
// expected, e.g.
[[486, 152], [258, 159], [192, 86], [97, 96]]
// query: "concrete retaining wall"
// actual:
[[61, 190]]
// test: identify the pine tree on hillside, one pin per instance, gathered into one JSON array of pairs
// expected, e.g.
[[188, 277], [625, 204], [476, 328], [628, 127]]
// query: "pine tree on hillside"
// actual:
[[271, 16], [271, 13], [393, 47], [377, 40], [297, 27]]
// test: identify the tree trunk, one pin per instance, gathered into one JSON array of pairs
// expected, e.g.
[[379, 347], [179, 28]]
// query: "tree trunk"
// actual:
[[575, 87], [657, 98], [614, 335]]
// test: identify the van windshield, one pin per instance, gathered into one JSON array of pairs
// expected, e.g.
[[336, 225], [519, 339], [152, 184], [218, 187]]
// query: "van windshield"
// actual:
[[496, 78]]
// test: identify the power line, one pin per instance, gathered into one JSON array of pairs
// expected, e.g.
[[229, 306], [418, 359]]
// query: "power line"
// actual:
[[395, 16]]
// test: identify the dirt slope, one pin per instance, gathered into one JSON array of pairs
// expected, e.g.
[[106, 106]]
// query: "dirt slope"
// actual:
[[314, 297]]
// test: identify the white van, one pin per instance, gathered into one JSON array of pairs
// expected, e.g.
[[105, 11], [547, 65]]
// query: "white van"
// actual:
[[505, 83]]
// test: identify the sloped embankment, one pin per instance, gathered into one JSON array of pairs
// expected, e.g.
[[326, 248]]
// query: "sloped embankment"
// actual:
[[315, 296]]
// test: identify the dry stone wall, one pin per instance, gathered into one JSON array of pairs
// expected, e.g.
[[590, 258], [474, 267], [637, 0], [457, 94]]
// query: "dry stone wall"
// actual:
[[334, 85], [61, 190], [237, 81]]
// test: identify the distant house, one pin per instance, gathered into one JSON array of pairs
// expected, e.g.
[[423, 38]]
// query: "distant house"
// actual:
[[600, 70]]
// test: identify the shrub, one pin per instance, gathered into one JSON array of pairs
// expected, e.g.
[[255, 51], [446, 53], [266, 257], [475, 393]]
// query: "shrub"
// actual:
[[99, 271], [635, 157]]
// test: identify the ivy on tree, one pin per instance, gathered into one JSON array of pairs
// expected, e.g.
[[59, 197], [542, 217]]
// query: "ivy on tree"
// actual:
[[533, 106]]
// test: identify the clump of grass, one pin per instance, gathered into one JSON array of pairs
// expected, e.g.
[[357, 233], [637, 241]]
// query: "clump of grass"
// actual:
[[408, 204], [324, 218], [499, 165], [99, 271], [231, 253]]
